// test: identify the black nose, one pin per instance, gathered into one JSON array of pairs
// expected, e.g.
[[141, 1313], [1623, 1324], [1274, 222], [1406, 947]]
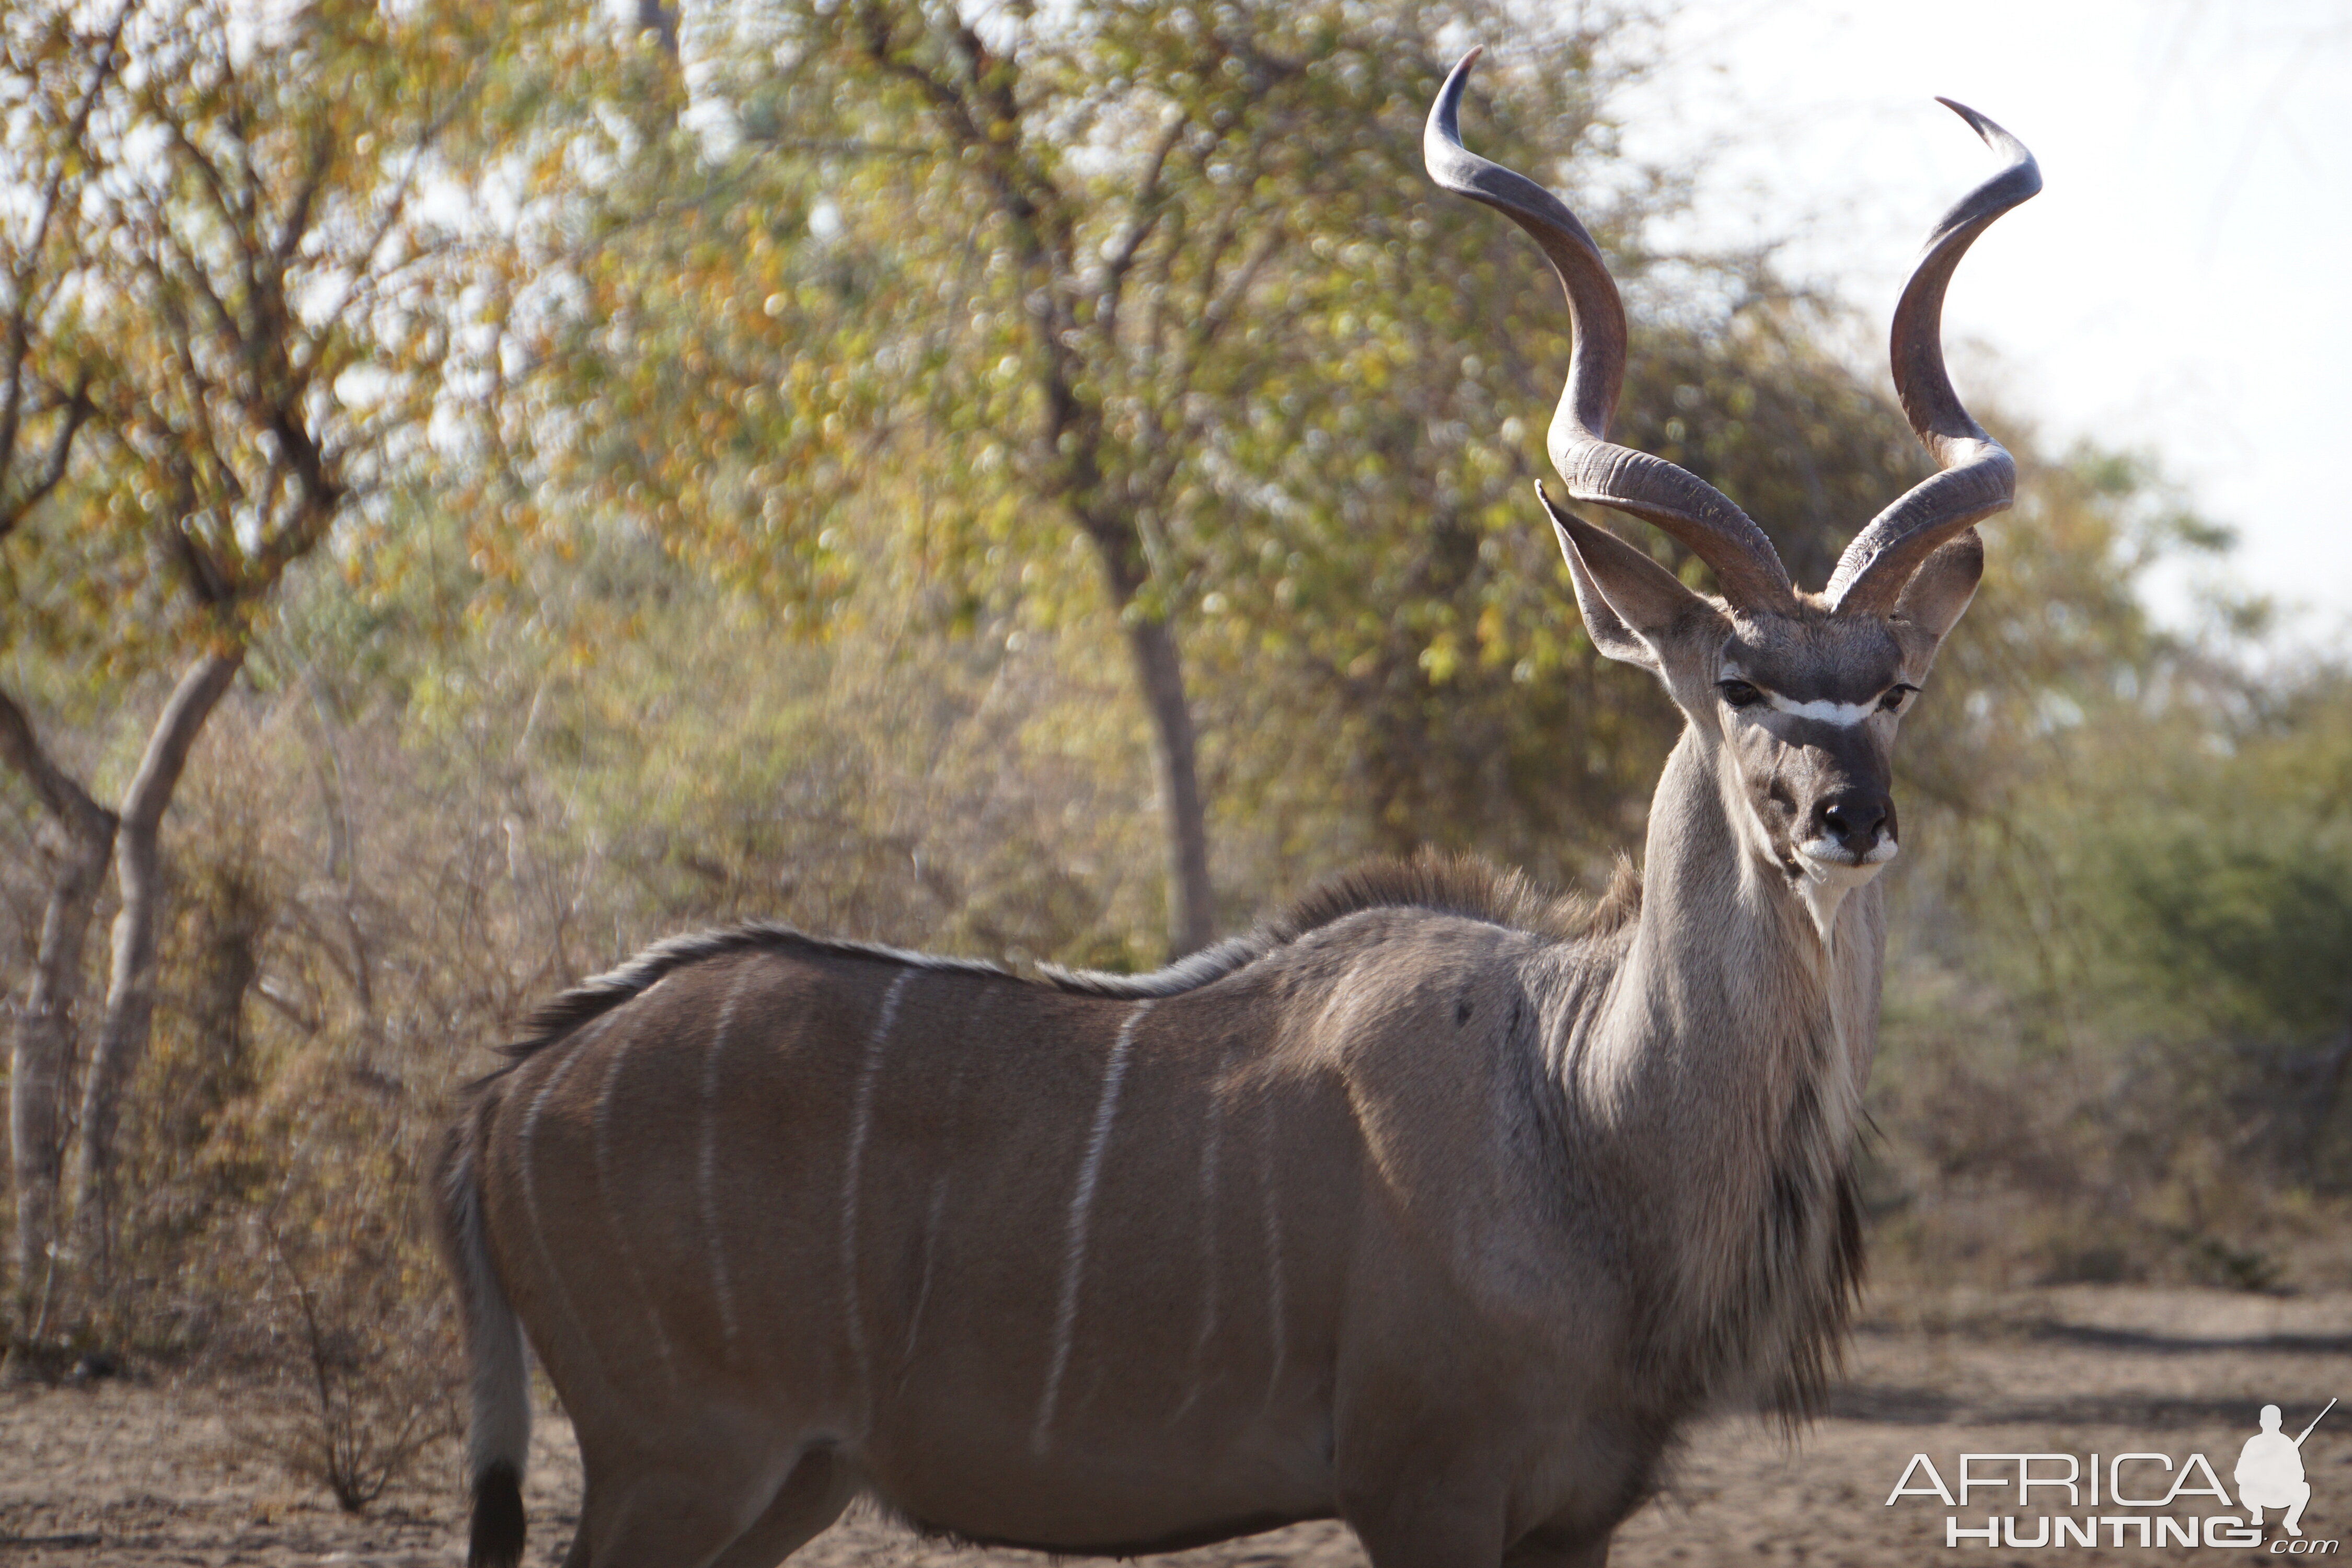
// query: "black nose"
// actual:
[[1856, 819]]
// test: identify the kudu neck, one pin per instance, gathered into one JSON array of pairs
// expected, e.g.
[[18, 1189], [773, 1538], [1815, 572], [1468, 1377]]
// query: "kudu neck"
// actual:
[[1715, 1079], [1729, 1001]]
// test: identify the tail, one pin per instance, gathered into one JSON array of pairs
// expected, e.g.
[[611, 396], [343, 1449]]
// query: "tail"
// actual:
[[499, 1427]]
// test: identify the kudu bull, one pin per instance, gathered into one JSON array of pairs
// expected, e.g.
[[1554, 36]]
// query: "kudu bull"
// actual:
[[1432, 1205]]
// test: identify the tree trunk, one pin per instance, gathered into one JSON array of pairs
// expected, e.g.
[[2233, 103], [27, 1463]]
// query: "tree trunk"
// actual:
[[130, 991], [1191, 902], [44, 1036]]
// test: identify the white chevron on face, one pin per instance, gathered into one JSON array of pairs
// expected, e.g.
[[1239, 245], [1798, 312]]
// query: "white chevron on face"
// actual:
[[1821, 711]]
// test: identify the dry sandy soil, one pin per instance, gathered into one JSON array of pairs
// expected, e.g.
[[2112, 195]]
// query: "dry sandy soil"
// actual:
[[140, 1472]]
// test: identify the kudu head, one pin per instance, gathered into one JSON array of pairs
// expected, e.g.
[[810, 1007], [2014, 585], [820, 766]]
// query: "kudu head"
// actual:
[[1797, 695]]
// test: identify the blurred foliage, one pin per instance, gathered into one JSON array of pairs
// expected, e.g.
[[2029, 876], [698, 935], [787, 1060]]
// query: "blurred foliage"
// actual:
[[720, 571], [243, 300], [228, 314]]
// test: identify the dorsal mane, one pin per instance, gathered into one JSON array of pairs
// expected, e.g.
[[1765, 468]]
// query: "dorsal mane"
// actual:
[[559, 1016], [1464, 885], [1461, 885]]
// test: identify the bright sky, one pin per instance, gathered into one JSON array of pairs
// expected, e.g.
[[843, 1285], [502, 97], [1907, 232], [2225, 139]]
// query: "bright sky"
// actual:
[[2183, 284]]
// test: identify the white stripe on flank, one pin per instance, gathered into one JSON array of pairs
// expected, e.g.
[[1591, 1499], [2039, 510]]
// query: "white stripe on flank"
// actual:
[[1275, 1307], [1211, 1146], [862, 1122], [1065, 1317], [923, 1288], [603, 1123], [708, 1167], [525, 1156]]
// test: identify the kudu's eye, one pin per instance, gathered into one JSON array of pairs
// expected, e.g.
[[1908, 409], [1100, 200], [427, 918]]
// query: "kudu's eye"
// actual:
[[1738, 693], [1896, 696]]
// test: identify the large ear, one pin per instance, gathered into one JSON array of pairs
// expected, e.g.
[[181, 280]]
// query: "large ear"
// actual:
[[1940, 590], [1630, 602]]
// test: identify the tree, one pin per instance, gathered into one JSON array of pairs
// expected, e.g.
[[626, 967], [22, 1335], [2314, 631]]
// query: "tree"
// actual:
[[54, 78], [255, 327], [1062, 272]]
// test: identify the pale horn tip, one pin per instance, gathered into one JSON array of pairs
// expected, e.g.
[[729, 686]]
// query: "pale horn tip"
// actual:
[[1990, 131], [1444, 115], [1451, 165]]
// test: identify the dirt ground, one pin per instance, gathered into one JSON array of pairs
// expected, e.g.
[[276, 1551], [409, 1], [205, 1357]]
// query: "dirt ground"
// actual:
[[144, 1472]]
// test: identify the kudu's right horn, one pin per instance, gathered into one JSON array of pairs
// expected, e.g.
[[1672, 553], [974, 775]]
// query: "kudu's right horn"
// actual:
[[1594, 468]]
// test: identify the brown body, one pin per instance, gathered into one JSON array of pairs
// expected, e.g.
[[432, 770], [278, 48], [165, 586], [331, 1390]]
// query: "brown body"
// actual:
[[1371, 1196], [1432, 1205]]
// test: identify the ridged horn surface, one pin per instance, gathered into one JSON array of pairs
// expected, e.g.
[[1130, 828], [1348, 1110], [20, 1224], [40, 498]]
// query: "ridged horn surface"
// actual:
[[1594, 468], [1979, 476]]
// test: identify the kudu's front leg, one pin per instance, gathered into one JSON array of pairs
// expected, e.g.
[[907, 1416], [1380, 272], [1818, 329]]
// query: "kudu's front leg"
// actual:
[[1544, 1549], [1455, 1518], [1431, 1532], [1421, 1512]]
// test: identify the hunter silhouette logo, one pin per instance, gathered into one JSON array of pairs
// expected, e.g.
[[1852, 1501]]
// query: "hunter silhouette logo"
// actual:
[[2136, 1499], [2270, 1471]]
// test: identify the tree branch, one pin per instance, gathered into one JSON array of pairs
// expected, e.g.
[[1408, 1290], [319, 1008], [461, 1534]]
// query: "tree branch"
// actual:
[[72, 805], [176, 729], [15, 509], [1145, 216], [30, 299]]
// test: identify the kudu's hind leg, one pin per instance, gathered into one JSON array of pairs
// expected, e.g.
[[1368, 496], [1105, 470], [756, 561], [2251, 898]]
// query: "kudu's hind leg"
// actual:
[[811, 1498], [679, 1509]]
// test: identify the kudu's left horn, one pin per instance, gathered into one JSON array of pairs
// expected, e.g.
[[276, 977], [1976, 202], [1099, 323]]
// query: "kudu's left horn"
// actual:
[[1979, 476]]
